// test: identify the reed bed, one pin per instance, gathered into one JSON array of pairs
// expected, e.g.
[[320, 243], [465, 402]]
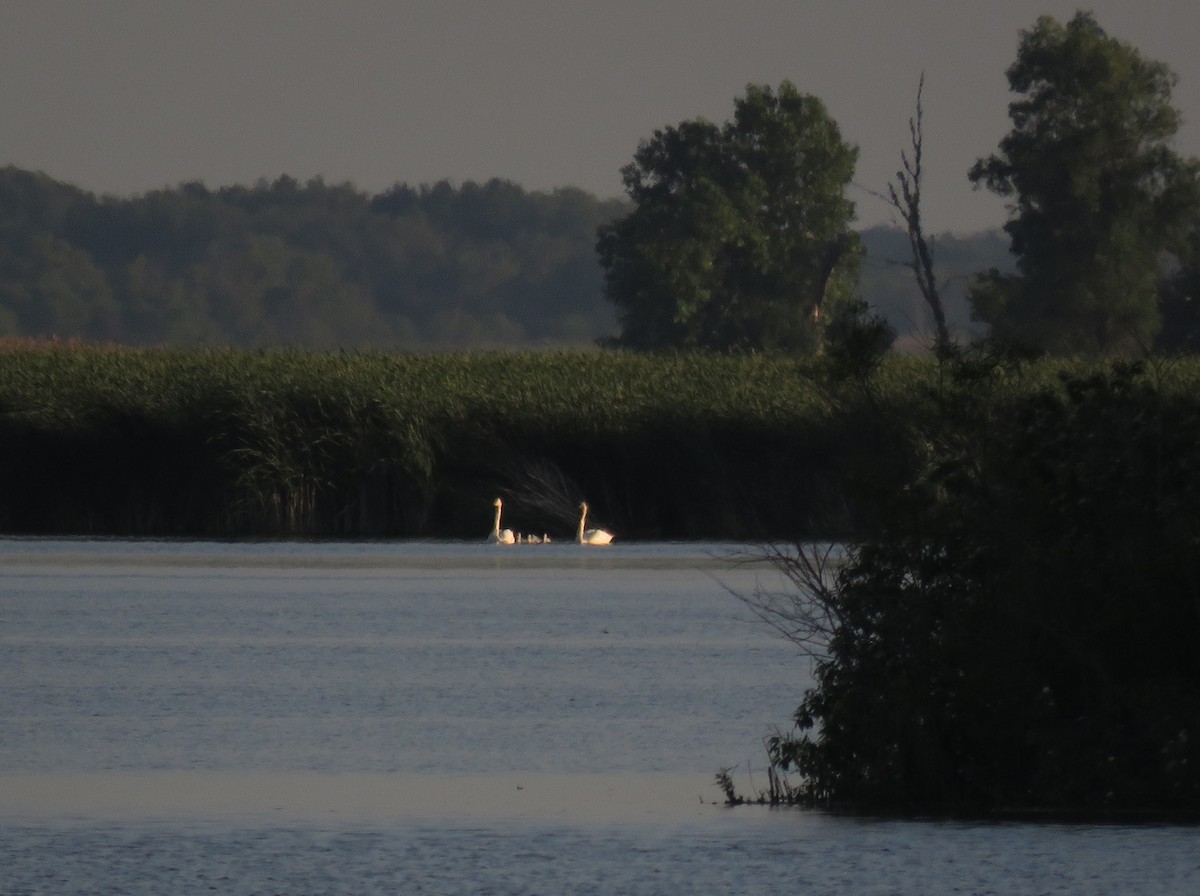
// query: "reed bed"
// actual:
[[139, 442]]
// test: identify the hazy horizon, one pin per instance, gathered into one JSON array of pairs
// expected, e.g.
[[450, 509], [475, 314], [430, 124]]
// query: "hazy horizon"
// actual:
[[128, 96]]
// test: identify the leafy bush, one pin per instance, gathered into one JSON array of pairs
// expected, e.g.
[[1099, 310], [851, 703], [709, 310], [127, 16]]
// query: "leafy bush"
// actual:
[[1020, 631]]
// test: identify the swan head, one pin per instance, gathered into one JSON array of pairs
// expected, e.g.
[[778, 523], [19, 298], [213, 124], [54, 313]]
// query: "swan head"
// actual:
[[497, 503]]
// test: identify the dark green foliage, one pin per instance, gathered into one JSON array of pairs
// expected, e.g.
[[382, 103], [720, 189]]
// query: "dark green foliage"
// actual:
[[739, 237], [856, 341], [1098, 194], [1020, 631]]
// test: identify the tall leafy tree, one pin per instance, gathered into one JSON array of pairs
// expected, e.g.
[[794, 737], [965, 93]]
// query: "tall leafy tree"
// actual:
[[739, 237], [1095, 190]]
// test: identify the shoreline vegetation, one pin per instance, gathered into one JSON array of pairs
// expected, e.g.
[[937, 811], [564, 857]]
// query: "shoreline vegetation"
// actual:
[[116, 441], [1014, 632], [1014, 623], [210, 443]]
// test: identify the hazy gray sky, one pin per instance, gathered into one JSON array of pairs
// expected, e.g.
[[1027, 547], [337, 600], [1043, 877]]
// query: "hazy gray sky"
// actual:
[[124, 96]]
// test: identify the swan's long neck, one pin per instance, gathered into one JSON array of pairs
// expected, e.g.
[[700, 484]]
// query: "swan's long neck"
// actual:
[[496, 525], [582, 522]]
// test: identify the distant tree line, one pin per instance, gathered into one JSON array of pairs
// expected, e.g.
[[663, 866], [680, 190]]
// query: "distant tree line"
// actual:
[[325, 266], [315, 265]]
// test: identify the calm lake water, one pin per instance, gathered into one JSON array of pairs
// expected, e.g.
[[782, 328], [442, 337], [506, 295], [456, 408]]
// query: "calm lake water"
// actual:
[[443, 718]]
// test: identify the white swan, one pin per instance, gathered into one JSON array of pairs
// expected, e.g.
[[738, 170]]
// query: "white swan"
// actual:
[[590, 536], [498, 535]]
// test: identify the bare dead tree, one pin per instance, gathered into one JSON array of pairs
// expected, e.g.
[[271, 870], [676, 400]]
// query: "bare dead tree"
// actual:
[[905, 197], [805, 610], [803, 607]]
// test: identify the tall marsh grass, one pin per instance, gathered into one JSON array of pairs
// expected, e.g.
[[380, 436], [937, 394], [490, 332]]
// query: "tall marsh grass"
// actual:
[[114, 441]]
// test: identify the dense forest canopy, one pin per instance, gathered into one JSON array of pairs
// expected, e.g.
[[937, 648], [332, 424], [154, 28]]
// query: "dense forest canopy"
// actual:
[[321, 266]]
